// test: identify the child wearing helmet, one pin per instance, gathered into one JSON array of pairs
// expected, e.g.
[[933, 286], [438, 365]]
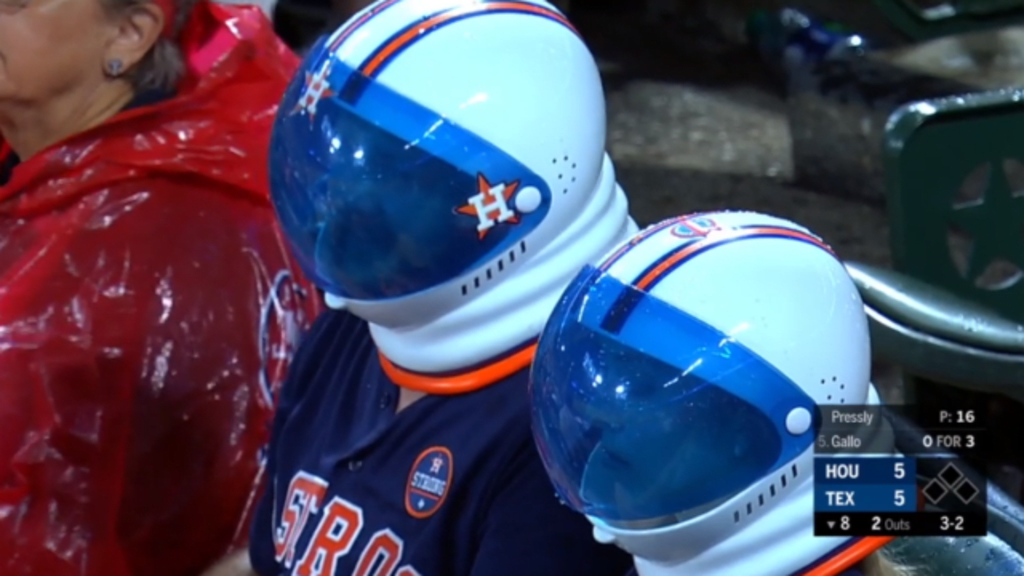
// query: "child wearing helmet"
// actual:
[[438, 167], [675, 393]]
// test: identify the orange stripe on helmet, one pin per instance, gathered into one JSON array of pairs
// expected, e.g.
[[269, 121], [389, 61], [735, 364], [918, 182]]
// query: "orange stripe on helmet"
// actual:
[[373, 64], [643, 235], [682, 254], [347, 31]]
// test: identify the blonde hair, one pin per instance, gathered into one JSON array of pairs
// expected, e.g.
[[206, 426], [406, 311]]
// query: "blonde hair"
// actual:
[[881, 564], [163, 66]]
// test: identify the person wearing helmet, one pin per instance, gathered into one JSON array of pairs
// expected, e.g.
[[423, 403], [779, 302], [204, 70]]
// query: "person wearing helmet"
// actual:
[[675, 393], [439, 169]]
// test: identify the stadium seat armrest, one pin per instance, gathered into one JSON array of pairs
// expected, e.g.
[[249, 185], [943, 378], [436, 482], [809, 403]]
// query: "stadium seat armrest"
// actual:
[[934, 335], [934, 311]]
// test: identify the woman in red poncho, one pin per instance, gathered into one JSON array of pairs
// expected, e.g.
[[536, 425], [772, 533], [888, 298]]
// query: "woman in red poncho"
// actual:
[[147, 304]]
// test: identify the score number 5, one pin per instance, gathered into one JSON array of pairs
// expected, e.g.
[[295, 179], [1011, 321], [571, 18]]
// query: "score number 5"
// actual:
[[899, 472]]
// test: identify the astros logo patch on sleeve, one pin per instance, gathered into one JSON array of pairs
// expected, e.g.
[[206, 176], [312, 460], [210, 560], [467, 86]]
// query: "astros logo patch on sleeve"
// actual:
[[429, 482]]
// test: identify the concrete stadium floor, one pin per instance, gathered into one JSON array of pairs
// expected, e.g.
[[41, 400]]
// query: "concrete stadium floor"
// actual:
[[696, 122]]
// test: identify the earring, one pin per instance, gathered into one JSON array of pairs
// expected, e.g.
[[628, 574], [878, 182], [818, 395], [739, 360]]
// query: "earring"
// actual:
[[113, 67]]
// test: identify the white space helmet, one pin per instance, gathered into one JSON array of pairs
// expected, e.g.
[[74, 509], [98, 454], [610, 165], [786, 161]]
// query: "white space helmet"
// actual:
[[675, 392], [435, 153]]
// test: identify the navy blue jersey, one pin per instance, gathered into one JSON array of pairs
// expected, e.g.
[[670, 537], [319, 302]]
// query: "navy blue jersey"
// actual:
[[450, 486]]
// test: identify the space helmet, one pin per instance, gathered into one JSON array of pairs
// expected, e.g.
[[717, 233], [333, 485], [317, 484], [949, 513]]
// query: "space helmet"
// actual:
[[438, 168], [676, 390]]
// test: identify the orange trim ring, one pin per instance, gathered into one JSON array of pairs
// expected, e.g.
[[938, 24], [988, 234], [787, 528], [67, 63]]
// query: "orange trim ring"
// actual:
[[849, 557], [460, 383]]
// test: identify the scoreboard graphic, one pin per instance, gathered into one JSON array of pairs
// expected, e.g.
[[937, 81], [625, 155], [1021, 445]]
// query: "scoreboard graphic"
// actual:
[[862, 489]]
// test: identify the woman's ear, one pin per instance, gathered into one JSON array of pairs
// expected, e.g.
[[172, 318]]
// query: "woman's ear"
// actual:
[[136, 31]]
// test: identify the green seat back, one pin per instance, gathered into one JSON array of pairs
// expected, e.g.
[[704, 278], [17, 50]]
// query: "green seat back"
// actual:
[[954, 17], [955, 182]]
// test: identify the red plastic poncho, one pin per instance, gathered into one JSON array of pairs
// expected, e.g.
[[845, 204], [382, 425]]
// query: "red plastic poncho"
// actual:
[[147, 311]]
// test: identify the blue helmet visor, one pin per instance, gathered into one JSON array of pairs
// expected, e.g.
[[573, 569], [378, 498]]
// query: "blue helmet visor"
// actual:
[[642, 412], [381, 197]]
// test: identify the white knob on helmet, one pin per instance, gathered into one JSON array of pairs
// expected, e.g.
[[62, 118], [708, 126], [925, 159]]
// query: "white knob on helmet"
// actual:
[[443, 168], [676, 389]]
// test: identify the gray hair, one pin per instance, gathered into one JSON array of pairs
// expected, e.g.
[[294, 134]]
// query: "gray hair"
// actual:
[[164, 65]]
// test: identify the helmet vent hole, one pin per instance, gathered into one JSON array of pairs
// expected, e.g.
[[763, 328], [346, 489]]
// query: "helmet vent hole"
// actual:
[[834, 389], [750, 508], [496, 268], [567, 172]]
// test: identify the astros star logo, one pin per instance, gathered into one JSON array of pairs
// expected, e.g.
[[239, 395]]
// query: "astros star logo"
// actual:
[[992, 222], [317, 88], [490, 205]]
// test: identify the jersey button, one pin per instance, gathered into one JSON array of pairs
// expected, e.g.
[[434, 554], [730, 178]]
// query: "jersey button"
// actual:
[[354, 465], [385, 401]]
